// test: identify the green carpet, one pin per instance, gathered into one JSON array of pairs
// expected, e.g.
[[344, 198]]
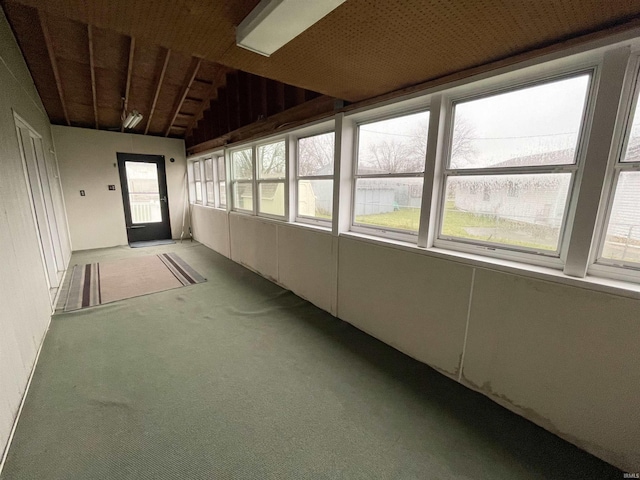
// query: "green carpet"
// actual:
[[237, 378]]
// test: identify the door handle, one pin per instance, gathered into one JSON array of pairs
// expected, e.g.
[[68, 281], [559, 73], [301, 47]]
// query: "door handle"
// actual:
[[164, 199]]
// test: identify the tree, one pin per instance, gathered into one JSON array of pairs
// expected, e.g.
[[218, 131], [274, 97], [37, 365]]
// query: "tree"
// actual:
[[388, 152], [316, 155]]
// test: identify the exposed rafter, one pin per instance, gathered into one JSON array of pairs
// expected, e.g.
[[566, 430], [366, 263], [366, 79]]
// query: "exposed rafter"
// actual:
[[220, 74], [54, 63], [93, 75], [192, 77], [158, 87], [132, 49]]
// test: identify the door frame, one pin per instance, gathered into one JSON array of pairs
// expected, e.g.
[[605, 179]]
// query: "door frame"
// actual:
[[164, 227]]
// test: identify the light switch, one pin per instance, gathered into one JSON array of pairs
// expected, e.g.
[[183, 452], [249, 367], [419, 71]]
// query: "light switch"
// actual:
[[112, 187], [82, 193]]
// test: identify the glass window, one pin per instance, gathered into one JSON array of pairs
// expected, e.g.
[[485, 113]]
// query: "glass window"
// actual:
[[272, 165], [389, 173], [315, 177], [222, 184], [242, 179], [208, 178], [197, 176], [620, 245], [512, 162]]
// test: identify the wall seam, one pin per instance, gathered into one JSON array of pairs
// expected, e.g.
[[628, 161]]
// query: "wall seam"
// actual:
[[466, 329]]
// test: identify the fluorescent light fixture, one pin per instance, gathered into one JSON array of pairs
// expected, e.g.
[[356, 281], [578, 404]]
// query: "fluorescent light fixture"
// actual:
[[274, 23], [132, 119]]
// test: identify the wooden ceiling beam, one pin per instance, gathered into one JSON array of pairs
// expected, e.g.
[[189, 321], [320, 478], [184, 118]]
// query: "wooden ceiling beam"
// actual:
[[132, 50], [54, 63], [158, 87], [184, 95], [206, 102], [93, 75]]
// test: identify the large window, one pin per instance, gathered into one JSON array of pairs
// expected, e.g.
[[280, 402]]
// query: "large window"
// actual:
[[208, 179], [512, 161], [389, 173], [272, 175], [620, 245], [314, 182], [242, 179]]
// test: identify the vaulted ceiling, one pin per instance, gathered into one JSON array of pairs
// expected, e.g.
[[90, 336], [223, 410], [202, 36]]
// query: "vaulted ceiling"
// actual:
[[176, 61]]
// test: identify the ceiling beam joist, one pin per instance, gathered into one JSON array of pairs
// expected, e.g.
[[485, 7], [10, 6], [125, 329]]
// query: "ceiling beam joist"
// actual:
[[158, 87], [54, 63], [132, 49], [184, 95], [93, 75], [206, 101]]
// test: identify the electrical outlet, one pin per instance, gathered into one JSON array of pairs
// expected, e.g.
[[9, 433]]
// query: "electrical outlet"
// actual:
[[112, 187], [82, 193]]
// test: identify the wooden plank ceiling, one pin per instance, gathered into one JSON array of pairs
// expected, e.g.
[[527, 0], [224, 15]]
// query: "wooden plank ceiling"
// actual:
[[361, 50], [88, 76]]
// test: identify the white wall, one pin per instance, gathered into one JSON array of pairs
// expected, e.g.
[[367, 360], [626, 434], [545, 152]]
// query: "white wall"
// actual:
[[25, 305], [563, 356], [87, 158]]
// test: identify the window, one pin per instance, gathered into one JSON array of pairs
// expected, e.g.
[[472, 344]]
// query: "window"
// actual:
[[222, 184], [197, 178], [519, 148], [620, 245], [242, 179], [272, 169], [208, 179], [314, 182], [389, 173]]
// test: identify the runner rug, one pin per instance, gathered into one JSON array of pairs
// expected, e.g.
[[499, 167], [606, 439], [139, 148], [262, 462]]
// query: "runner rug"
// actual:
[[99, 283]]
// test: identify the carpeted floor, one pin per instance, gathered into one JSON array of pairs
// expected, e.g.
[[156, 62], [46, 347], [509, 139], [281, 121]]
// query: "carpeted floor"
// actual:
[[236, 378]]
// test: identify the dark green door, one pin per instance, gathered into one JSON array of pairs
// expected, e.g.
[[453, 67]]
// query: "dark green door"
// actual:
[[143, 180]]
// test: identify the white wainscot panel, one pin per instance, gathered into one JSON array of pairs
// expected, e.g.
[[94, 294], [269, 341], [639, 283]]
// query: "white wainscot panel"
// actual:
[[211, 228], [254, 244]]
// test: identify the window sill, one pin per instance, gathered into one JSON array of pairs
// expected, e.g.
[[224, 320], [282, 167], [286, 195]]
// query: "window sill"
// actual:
[[601, 284]]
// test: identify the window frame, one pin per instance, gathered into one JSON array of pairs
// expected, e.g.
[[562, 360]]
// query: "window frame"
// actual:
[[630, 107], [284, 180], [219, 159], [206, 200], [197, 167], [554, 259], [233, 181], [381, 231], [326, 223]]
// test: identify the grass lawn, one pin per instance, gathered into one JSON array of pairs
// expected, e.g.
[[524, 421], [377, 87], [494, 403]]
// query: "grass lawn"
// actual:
[[469, 226]]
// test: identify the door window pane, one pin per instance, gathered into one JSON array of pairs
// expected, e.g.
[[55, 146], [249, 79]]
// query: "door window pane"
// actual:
[[389, 202], [516, 210], [538, 125], [622, 241], [397, 145], [315, 198], [144, 193], [272, 198]]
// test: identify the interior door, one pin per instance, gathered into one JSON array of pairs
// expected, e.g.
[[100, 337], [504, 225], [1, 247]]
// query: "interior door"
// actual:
[[143, 180]]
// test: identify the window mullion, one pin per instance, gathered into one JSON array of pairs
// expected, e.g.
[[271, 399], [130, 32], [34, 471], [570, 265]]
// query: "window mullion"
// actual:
[[432, 172], [610, 84]]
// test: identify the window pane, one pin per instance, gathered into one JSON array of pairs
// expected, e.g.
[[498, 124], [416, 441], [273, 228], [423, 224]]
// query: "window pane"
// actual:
[[538, 125], [315, 198], [271, 160], [632, 153], [397, 145], [223, 194], [221, 169], [243, 196], [622, 242], [210, 194], [242, 164], [389, 202], [316, 155], [144, 193], [516, 210], [199, 192], [271, 198], [196, 171], [208, 169]]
